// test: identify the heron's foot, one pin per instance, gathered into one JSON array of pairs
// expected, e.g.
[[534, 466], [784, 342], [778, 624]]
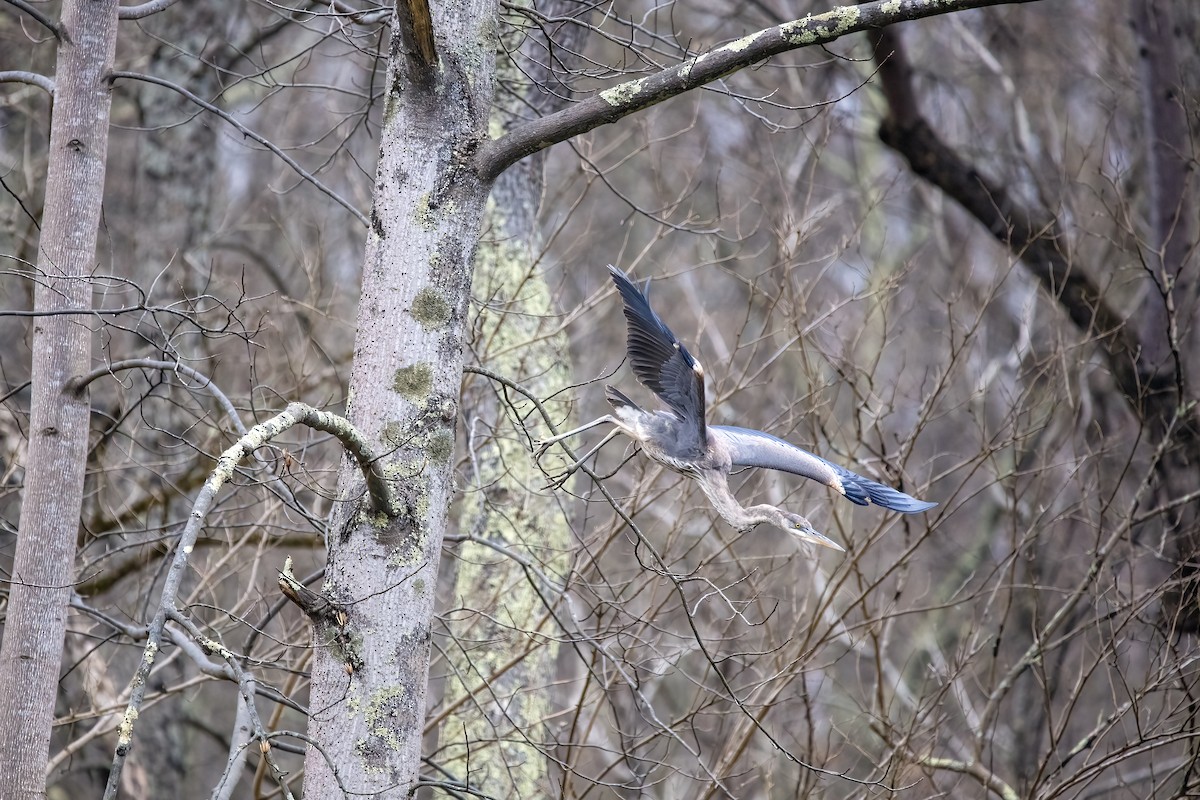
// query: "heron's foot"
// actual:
[[540, 446], [557, 480]]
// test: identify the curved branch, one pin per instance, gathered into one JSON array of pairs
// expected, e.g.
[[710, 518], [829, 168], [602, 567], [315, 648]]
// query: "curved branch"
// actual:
[[291, 162], [32, 78], [383, 500], [296, 413], [143, 10], [60, 33], [610, 105], [80, 383]]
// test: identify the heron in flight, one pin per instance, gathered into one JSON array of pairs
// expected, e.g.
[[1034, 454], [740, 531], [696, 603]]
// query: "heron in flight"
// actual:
[[679, 438]]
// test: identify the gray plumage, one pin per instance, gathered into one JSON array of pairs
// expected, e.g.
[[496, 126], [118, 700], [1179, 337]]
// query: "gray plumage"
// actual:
[[680, 439]]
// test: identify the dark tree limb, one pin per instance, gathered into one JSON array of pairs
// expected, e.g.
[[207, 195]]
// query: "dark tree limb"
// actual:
[[60, 33], [1172, 216], [1031, 235], [1145, 358], [610, 105]]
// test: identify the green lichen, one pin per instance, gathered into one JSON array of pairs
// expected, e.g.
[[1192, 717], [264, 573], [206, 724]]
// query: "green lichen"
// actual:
[[418, 586], [821, 28], [742, 43], [393, 434], [125, 729], [413, 382], [440, 447], [623, 93], [423, 213], [379, 713], [430, 309], [890, 7], [402, 470], [377, 520]]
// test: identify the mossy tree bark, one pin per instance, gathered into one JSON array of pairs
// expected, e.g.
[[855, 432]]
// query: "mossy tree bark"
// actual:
[[368, 690], [501, 683]]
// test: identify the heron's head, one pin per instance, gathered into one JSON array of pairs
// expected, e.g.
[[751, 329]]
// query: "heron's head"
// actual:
[[802, 529]]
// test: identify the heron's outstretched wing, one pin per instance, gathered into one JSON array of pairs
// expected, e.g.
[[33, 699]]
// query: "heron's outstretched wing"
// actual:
[[659, 360], [749, 448]]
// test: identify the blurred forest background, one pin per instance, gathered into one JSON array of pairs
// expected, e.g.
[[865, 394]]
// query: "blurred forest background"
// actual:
[[1027, 360]]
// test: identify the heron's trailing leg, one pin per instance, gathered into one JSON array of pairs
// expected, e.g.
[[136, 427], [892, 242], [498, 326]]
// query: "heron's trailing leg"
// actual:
[[540, 446], [561, 478]]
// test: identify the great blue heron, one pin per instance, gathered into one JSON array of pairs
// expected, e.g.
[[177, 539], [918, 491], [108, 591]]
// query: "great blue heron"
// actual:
[[680, 440]]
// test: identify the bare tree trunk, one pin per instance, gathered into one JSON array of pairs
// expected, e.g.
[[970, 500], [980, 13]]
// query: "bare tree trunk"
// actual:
[[368, 691], [43, 569]]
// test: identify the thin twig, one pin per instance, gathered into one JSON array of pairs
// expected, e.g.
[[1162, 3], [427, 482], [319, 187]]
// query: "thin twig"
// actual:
[[248, 133]]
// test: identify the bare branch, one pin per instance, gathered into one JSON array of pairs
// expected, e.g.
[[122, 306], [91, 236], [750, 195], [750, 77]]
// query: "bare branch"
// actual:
[[247, 687], [610, 105], [144, 10], [31, 78], [80, 383], [977, 771]]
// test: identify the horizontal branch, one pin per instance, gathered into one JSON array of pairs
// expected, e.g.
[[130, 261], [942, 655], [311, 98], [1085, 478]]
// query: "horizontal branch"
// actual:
[[32, 78], [610, 105]]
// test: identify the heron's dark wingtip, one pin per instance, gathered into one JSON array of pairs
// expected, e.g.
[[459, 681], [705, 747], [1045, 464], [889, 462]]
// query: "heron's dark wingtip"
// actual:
[[912, 506], [864, 491]]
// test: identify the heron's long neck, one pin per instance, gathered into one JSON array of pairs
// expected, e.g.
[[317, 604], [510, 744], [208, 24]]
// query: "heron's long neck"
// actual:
[[716, 487]]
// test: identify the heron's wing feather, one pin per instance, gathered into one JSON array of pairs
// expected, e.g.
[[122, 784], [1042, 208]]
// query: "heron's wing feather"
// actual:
[[659, 360], [749, 448]]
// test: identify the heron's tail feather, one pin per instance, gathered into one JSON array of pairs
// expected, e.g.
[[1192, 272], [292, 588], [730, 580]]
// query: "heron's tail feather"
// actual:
[[619, 401]]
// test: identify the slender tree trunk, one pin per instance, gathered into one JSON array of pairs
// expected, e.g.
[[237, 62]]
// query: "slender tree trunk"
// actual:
[[368, 686], [43, 569]]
